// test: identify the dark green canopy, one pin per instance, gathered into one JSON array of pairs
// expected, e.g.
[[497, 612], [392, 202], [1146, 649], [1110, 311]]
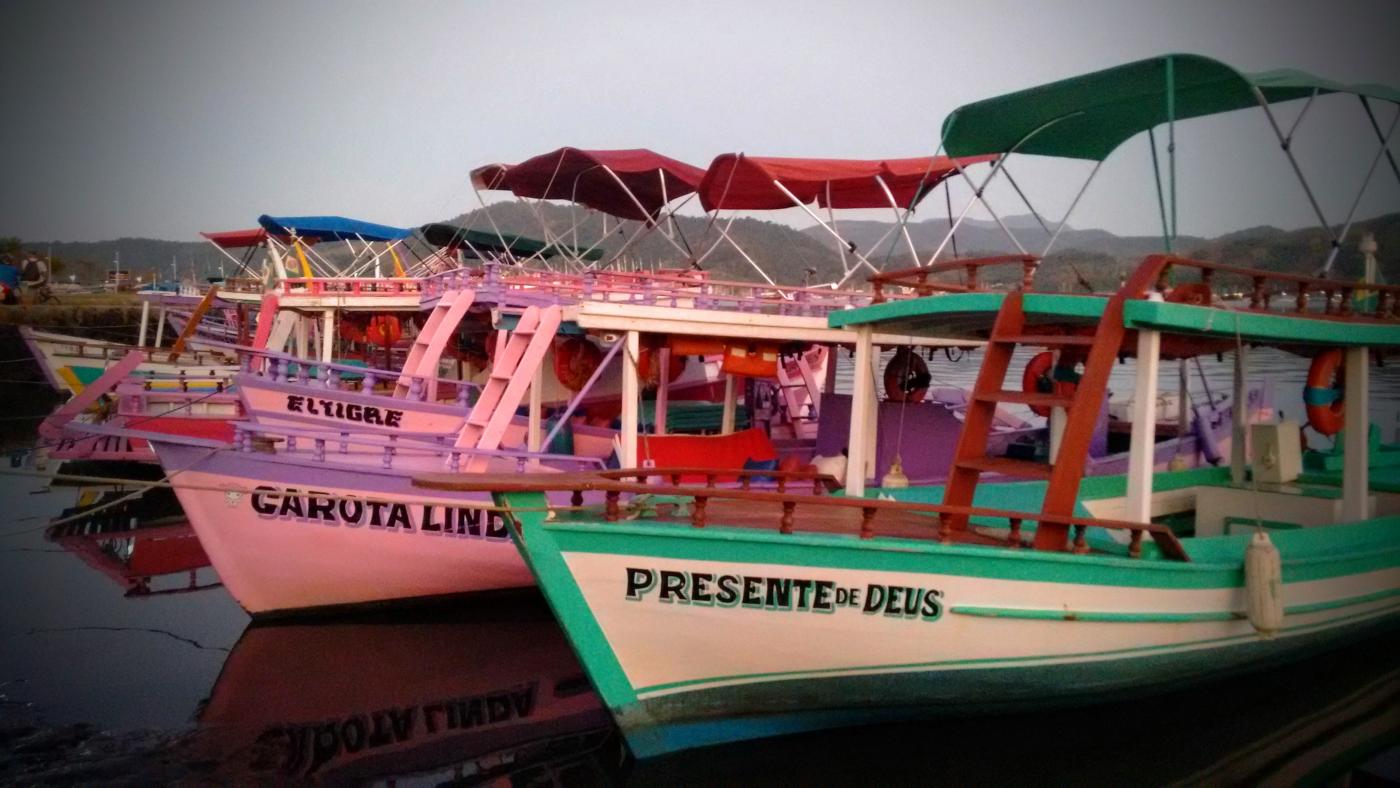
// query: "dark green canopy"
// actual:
[[1087, 117], [450, 235]]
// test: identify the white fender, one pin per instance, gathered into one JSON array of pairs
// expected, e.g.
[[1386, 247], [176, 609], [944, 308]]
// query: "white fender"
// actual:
[[1263, 585], [832, 466]]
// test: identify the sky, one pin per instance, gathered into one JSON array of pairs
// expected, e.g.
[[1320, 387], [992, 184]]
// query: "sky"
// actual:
[[161, 119]]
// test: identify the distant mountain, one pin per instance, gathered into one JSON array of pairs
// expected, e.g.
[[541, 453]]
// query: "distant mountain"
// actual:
[[787, 253]]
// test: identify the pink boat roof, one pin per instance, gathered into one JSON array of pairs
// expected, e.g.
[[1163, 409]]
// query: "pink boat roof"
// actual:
[[242, 239], [632, 184], [741, 182]]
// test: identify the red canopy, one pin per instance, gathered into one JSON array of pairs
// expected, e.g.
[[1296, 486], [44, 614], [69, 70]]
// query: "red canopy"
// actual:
[[586, 177], [242, 239], [744, 182]]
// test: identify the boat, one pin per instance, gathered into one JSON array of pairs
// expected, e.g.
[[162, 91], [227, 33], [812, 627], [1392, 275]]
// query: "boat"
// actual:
[[708, 612]]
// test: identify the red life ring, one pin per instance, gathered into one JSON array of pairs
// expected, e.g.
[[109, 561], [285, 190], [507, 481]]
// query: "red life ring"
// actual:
[[383, 330], [682, 345], [906, 377], [648, 370], [350, 330], [575, 361], [1044, 376], [1325, 392]]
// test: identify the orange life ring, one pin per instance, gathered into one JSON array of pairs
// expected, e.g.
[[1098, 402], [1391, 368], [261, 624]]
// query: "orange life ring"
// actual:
[[753, 359], [1325, 392], [383, 330], [575, 361], [695, 346], [1044, 376], [351, 331], [648, 369], [906, 377], [1194, 293]]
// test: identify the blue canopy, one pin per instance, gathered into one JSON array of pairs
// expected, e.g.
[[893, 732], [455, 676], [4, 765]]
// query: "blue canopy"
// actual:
[[331, 228]]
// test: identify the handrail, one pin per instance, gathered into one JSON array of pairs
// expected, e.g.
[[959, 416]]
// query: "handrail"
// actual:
[[579, 483], [918, 278], [1387, 306]]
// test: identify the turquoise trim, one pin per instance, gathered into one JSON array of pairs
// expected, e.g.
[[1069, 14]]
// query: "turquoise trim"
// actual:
[[975, 310], [1313, 395], [1257, 326], [1096, 617]]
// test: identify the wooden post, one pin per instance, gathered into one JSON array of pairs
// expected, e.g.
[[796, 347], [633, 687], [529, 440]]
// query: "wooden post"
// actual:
[[145, 322], [1356, 483], [303, 336], [1142, 452], [731, 403], [1058, 420], [1239, 409], [631, 394], [663, 398], [327, 335], [160, 326], [862, 402]]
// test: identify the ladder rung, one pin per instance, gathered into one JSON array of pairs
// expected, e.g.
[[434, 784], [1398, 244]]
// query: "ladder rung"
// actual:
[[1048, 340], [1008, 466], [1049, 400]]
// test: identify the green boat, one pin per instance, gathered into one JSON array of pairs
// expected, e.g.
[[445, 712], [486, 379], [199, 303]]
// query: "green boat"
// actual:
[[707, 612]]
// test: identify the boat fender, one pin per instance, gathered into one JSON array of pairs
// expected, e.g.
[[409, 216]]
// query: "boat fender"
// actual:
[[1325, 392], [894, 478], [831, 466], [906, 377], [1263, 584]]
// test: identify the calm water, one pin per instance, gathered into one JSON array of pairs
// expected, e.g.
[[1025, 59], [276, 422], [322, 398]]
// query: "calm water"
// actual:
[[181, 687]]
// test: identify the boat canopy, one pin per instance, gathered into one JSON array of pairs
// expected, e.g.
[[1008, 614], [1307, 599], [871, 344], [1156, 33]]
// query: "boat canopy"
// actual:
[[241, 239], [631, 184], [450, 236], [740, 182], [1088, 116], [331, 228]]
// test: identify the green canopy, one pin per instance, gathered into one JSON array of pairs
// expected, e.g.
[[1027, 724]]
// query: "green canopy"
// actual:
[[1088, 116], [440, 234]]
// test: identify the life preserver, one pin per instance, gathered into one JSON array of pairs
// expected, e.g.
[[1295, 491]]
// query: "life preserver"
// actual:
[[351, 331], [575, 361], [1044, 376], [1325, 392], [1195, 293], [649, 370], [383, 330], [753, 359], [906, 377]]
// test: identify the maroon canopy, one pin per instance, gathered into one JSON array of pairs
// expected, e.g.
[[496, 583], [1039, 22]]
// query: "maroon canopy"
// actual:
[[242, 239], [586, 177], [744, 182]]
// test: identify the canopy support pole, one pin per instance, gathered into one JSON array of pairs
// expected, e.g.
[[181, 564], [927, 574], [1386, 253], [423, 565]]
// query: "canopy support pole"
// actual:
[[1161, 198], [899, 217], [1171, 141], [1286, 142], [989, 208], [1376, 127], [642, 209], [327, 335], [1143, 449], [1365, 183], [279, 268], [631, 394], [731, 404], [145, 322], [578, 396], [1239, 418], [1073, 204], [862, 401], [1024, 199], [160, 326], [849, 246], [1356, 484]]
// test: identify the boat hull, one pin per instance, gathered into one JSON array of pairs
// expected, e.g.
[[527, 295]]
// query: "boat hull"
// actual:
[[976, 629], [280, 543]]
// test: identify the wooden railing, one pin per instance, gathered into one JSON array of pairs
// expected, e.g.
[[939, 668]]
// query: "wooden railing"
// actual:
[[917, 279], [613, 487], [1337, 295]]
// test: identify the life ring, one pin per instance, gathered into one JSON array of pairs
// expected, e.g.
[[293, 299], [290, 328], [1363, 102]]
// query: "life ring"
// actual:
[[575, 361], [383, 330], [752, 359], [906, 377], [1325, 392], [351, 331], [649, 370], [1193, 293], [1044, 376]]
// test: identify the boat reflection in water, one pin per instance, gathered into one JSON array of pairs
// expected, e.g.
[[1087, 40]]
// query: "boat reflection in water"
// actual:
[[486, 691], [144, 545]]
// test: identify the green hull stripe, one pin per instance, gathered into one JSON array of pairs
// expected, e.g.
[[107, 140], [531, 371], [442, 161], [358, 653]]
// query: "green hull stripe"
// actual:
[[1110, 617], [1012, 661]]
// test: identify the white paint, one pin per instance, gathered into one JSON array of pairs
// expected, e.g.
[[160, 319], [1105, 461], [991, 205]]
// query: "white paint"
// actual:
[[631, 396], [1239, 433], [731, 404], [1142, 451], [145, 322], [327, 335], [862, 403], [535, 429], [1356, 482], [160, 326]]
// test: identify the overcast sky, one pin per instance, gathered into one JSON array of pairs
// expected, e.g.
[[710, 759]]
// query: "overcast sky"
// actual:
[[161, 119]]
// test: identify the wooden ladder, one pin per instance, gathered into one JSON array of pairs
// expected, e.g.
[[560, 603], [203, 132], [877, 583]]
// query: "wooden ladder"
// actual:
[[512, 371], [1082, 408], [192, 326], [426, 352]]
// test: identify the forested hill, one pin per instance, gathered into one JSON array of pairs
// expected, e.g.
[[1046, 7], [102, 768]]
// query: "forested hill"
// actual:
[[787, 253]]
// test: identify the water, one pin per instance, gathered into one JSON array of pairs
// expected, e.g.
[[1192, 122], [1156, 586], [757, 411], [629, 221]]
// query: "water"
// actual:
[[180, 687]]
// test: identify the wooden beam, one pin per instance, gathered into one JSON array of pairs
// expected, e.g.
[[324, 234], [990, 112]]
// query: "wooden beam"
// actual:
[[862, 401], [1142, 452], [631, 396], [1356, 484]]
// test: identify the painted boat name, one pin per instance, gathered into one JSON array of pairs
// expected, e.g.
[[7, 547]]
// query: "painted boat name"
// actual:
[[782, 593], [364, 414], [292, 504]]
